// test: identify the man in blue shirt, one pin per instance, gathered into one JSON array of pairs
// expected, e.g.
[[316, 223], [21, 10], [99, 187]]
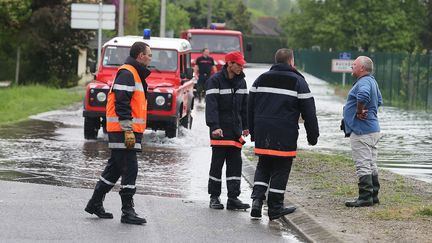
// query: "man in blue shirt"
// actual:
[[361, 123]]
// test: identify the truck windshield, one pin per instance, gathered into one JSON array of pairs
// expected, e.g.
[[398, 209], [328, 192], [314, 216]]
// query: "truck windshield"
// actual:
[[162, 60], [115, 55], [215, 43]]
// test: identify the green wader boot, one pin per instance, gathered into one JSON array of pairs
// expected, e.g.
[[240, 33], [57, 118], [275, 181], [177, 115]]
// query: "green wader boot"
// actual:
[[376, 187], [365, 193]]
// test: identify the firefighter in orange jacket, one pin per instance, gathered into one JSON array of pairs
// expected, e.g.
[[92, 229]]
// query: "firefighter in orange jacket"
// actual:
[[226, 115], [126, 121], [276, 101]]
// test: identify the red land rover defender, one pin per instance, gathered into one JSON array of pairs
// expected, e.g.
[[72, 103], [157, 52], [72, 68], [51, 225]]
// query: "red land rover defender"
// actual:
[[170, 84]]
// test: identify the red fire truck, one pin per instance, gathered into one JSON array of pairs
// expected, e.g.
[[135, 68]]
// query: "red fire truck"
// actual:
[[170, 84], [218, 41]]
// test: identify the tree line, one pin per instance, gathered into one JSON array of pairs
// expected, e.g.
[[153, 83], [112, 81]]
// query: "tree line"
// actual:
[[367, 25], [40, 29], [183, 14]]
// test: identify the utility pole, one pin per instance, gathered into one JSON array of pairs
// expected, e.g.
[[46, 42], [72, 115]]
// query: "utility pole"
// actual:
[[209, 13], [162, 18], [17, 68], [99, 34], [121, 19]]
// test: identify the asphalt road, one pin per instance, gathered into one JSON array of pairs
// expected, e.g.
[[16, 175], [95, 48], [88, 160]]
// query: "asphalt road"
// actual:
[[46, 213]]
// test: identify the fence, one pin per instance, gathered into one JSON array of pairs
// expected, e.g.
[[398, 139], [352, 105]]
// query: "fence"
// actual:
[[263, 48], [404, 79]]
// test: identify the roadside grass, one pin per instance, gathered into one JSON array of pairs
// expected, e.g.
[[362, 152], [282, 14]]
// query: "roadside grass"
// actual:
[[333, 178], [19, 102], [425, 211], [340, 90]]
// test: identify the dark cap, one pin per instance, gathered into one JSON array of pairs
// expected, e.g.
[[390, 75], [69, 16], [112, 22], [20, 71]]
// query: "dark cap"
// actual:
[[236, 57]]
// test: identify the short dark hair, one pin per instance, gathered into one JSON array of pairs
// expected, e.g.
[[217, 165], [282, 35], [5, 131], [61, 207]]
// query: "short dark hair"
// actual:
[[204, 49], [137, 48], [283, 55]]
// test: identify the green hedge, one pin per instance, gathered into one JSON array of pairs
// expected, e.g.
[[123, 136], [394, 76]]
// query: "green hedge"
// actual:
[[263, 48]]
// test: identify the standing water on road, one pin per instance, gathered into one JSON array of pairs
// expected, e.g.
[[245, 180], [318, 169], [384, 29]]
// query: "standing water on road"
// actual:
[[50, 149]]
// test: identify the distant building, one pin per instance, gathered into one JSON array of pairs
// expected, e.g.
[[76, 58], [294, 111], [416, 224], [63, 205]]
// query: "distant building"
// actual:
[[268, 26]]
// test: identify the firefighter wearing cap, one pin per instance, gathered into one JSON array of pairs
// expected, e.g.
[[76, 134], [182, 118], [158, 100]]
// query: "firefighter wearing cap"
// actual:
[[226, 116], [276, 101], [126, 122]]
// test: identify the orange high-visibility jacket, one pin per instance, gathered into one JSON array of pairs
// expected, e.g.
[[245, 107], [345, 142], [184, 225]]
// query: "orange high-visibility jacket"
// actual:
[[138, 104]]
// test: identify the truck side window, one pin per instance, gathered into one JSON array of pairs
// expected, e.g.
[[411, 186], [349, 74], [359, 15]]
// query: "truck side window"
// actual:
[[188, 60], [185, 62], [182, 63]]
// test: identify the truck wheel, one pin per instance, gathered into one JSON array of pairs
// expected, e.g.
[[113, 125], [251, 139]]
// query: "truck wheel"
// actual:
[[91, 127], [172, 130], [187, 121]]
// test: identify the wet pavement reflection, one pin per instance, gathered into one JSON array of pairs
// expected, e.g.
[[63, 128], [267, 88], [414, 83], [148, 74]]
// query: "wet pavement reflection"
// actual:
[[50, 149]]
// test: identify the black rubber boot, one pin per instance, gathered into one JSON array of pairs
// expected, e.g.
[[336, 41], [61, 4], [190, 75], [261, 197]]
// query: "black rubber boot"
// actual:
[[256, 209], [276, 207], [236, 204], [275, 214], [129, 216], [376, 187], [95, 206], [365, 193], [215, 203]]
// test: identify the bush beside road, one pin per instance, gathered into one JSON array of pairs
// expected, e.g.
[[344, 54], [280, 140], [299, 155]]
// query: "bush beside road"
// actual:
[[20, 102], [320, 183]]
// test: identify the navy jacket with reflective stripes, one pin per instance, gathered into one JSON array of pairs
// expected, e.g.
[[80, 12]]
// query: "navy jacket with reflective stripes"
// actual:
[[226, 104], [276, 100], [123, 98]]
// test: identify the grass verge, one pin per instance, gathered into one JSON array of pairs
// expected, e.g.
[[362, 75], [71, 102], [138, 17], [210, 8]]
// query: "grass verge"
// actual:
[[20, 102], [332, 179], [340, 90]]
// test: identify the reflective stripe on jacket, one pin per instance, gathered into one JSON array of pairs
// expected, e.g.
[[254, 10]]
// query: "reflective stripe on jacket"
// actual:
[[138, 104], [226, 108], [276, 101], [239, 143]]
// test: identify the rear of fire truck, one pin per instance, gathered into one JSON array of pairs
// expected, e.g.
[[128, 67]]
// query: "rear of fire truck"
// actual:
[[218, 40]]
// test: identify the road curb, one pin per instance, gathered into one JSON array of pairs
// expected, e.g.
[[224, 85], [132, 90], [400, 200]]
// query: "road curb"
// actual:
[[301, 220]]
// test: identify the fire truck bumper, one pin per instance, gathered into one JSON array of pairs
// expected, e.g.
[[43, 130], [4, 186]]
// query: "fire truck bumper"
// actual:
[[93, 114]]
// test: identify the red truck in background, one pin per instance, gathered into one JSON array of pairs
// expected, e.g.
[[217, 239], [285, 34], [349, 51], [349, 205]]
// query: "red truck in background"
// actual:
[[170, 85], [218, 41]]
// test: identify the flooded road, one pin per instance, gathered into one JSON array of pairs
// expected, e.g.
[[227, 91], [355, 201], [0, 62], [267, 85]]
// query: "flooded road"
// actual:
[[50, 149]]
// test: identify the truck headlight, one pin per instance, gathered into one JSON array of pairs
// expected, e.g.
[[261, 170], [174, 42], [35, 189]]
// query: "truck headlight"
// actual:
[[160, 100], [101, 96]]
